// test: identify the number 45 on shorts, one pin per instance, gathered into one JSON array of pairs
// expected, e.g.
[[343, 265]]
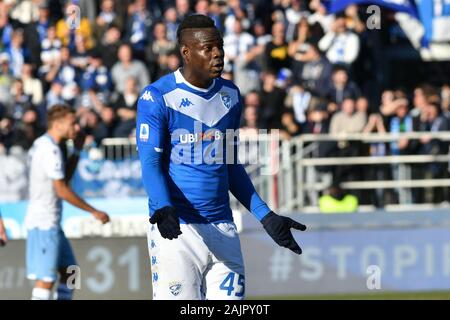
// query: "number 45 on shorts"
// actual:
[[228, 284]]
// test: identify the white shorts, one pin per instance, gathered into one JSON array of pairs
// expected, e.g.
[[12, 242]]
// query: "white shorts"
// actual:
[[205, 262]]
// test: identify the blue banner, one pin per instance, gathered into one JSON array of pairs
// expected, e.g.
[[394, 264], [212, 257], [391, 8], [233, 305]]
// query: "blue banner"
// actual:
[[407, 6], [108, 178]]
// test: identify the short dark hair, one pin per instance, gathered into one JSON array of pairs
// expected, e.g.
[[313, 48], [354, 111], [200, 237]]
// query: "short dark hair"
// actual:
[[57, 112], [195, 21]]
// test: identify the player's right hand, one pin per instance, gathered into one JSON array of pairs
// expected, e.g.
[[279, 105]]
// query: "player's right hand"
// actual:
[[168, 222], [100, 215]]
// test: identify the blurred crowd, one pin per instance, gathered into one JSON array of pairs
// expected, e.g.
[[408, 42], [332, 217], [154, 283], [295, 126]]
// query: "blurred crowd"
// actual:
[[299, 69]]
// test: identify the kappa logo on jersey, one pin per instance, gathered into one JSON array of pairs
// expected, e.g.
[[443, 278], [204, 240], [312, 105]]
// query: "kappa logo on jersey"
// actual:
[[226, 99], [147, 96], [175, 289], [144, 132], [185, 102]]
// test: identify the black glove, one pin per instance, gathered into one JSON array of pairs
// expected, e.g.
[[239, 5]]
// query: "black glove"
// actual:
[[278, 228], [168, 222]]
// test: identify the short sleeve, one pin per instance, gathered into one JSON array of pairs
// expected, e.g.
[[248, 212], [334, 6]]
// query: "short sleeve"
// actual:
[[53, 163]]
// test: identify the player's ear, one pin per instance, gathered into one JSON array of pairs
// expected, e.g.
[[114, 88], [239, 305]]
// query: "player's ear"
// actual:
[[185, 52]]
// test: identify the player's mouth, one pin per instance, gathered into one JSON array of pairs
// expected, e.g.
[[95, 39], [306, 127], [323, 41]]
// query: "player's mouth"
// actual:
[[218, 66]]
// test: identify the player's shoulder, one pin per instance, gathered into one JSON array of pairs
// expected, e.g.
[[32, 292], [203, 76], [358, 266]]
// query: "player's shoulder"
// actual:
[[153, 93], [160, 87], [227, 83], [46, 144]]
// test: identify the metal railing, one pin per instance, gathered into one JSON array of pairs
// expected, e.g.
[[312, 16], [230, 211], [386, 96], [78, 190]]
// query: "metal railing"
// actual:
[[286, 175]]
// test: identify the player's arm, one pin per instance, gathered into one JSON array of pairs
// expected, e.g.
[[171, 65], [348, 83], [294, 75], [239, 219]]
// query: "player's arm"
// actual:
[[53, 167], [3, 237], [151, 134], [72, 161], [240, 185], [65, 192]]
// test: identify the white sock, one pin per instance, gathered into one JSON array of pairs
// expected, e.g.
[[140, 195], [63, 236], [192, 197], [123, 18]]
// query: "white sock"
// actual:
[[63, 292], [40, 294]]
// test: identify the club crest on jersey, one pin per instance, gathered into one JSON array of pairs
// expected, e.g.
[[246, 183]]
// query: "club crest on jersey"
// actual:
[[147, 96], [144, 132], [226, 99], [185, 102], [175, 288]]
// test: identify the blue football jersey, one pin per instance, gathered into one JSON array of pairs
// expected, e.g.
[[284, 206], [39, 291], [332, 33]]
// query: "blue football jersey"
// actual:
[[193, 131]]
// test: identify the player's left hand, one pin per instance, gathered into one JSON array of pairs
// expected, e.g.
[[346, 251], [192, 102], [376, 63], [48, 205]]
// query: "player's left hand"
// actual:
[[279, 229]]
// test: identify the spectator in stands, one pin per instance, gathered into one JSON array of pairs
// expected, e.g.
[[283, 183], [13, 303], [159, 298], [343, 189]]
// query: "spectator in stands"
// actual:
[[54, 95], [158, 50], [202, 7], [300, 37], [6, 80], [241, 57], [171, 22], [183, 9], [32, 86], [50, 58], [295, 13], [36, 32], [353, 21], [66, 74], [340, 44], [28, 129], [138, 30], [109, 46], [80, 54], [400, 122], [237, 43], [126, 67], [249, 128], [337, 200], [96, 82], [21, 101], [340, 86], [435, 170], [289, 126], [173, 62], [315, 73], [6, 31], [235, 11], [106, 125], [6, 133], [106, 18], [125, 108], [67, 35], [17, 53], [273, 102], [348, 120], [299, 100], [276, 52]]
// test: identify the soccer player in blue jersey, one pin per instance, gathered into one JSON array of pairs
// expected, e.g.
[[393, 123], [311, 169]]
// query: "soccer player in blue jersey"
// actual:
[[182, 133]]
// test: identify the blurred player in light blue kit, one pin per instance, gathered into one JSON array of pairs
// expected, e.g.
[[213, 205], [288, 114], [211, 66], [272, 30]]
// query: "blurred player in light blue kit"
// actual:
[[182, 130], [48, 250]]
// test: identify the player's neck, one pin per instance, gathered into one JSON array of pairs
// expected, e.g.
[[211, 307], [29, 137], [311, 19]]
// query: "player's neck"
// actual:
[[54, 135], [195, 79]]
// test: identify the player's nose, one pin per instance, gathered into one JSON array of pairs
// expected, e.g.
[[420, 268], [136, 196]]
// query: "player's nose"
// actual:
[[218, 53]]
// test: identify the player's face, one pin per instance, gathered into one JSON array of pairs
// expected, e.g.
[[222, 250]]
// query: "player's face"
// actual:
[[69, 127], [205, 52]]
